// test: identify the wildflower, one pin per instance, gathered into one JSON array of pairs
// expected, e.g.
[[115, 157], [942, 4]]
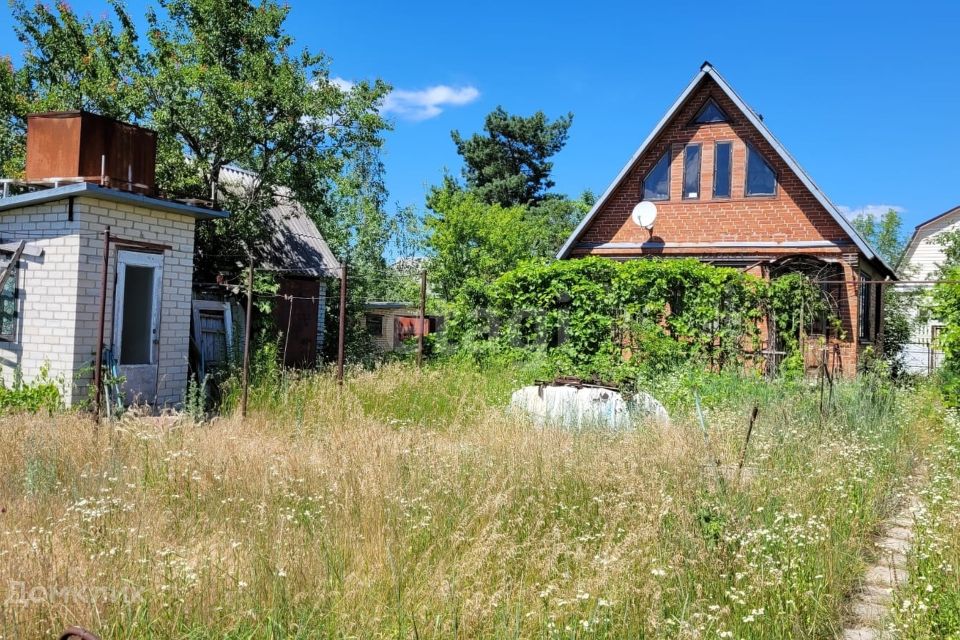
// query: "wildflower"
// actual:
[[658, 572]]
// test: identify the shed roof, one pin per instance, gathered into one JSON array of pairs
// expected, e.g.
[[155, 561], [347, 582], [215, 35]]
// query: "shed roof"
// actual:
[[294, 245], [87, 189]]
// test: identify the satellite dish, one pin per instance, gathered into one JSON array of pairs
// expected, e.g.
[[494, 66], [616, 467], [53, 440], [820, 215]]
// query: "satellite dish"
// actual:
[[645, 214]]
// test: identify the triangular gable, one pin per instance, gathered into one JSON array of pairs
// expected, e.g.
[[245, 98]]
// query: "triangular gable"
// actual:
[[917, 236], [707, 71]]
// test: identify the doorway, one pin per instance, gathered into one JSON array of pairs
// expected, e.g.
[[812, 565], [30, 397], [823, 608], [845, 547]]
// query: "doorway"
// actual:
[[136, 322]]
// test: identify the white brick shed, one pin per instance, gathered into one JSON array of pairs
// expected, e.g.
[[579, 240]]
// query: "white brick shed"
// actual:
[[56, 296]]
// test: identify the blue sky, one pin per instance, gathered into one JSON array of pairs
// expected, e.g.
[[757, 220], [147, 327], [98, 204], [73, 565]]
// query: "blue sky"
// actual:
[[863, 94]]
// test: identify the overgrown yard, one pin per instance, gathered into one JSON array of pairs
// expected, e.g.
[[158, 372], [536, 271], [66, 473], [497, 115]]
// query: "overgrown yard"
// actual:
[[410, 505]]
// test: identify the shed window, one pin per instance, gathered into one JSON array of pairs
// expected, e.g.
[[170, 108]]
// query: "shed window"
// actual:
[[691, 171], [8, 305], [374, 324], [710, 113], [761, 178], [721, 170], [656, 185]]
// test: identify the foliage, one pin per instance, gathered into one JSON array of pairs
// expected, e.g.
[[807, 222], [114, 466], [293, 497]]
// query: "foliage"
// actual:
[[946, 308], [794, 301], [68, 62], [472, 240], [222, 85], [615, 321], [508, 163], [900, 305], [505, 213], [929, 602], [252, 102], [42, 394]]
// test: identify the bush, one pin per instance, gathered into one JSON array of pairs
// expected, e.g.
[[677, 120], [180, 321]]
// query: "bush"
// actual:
[[616, 321], [42, 394]]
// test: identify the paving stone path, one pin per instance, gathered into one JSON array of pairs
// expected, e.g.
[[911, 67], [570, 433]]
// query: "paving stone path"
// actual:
[[870, 605]]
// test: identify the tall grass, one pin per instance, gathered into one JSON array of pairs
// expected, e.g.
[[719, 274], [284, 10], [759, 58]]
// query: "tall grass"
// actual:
[[410, 505], [928, 606]]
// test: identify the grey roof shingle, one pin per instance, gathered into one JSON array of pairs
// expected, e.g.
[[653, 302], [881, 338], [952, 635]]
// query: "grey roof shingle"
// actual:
[[294, 246]]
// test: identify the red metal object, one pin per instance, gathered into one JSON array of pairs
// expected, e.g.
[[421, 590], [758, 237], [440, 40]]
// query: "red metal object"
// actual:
[[407, 327], [80, 144]]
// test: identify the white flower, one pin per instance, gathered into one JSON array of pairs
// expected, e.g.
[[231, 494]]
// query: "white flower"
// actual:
[[658, 572]]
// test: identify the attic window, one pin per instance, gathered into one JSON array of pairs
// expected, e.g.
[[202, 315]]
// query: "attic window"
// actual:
[[656, 184], [761, 178], [722, 157], [691, 171], [710, 113]]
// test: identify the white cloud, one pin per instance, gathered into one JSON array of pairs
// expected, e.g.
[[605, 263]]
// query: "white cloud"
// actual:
[[868, 210], [427, 103], [420, 104]]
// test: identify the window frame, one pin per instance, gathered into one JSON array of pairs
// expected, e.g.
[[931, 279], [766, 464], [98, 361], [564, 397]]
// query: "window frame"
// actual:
[[685, 194], [381, 320], [864, 333], [729, 145], [710, 100], [746, 175], [14, 277], [668, 155]]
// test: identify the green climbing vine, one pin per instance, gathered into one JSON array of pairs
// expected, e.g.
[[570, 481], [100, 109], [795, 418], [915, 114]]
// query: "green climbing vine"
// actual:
[[599, 318]]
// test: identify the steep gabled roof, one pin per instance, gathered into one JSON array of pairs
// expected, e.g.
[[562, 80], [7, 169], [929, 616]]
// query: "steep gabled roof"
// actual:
[[293, 245], [926, 223], [707, 71]]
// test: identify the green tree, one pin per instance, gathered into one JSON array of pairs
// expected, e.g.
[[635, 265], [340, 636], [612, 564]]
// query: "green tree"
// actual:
[[472, 240], [900, 306], [69, 63], [226, 87], [509, 163], [222, 85]]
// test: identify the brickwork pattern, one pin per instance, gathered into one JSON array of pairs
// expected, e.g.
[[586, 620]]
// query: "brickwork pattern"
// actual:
[[59, 292], [793, 214]]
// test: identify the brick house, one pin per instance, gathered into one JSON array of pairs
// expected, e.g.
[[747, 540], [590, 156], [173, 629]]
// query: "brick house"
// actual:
[[727, 192], [52, 245]]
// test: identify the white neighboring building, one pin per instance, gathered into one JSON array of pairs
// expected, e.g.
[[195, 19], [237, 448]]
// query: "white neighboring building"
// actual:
[[922, 260]]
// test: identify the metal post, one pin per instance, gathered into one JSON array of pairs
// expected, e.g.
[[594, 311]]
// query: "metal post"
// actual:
[[98, 362], [341, 331], [246, 342], [423, 312]]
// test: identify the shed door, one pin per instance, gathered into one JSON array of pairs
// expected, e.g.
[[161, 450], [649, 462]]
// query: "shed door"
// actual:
[[136, 322]]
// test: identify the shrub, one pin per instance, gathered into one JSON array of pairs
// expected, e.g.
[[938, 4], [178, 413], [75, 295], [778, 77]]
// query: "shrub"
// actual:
[[42, 394], [598, 318]]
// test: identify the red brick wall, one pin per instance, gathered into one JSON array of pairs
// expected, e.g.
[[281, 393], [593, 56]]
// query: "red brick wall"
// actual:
[[793, 214]]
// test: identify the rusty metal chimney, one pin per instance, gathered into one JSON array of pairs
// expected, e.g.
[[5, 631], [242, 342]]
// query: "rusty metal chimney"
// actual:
[[79, 146]]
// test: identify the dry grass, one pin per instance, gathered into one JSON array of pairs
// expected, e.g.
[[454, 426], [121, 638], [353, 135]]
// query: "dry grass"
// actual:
[[323, 516]]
